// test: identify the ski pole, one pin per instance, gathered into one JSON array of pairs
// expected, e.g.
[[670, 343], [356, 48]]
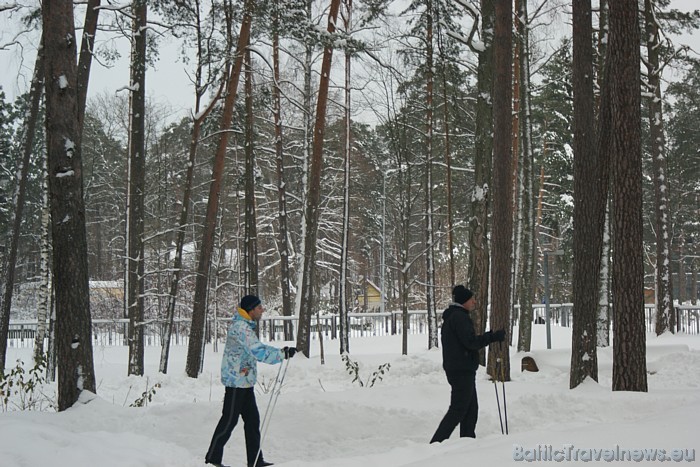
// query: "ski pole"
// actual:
[[498, 400], [503, 382], [274, 394]]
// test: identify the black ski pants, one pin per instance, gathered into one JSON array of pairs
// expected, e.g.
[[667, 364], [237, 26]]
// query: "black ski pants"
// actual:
[[237, 402], [463, 410]]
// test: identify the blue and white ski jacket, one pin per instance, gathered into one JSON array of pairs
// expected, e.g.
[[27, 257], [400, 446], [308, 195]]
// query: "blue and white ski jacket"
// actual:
[[239, 365]]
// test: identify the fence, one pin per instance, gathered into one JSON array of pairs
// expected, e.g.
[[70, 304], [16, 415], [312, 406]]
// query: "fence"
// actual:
[[272, 328], [687, 316]]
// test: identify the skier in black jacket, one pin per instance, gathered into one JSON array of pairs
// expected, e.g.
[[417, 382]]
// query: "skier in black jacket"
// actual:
[[460, 360]]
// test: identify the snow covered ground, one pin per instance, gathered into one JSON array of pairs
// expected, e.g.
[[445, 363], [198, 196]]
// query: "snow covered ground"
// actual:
[[323, 419]]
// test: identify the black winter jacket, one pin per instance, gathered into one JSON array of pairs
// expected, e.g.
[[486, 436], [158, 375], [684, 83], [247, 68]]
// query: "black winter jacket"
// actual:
[[460, 344]]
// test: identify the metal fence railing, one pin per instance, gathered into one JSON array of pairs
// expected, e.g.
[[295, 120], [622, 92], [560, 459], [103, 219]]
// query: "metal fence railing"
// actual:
[[107, 332]]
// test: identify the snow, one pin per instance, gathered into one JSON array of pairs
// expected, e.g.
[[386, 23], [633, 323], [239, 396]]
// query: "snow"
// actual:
[[323, 419], [69, 146], [65, 173]]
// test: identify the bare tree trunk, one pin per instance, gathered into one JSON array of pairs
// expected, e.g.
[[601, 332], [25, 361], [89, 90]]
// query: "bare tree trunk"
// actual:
[[479, 260], [251, 232], [430, 234], [406, 279], [694, 281], [603, 321], [30, 119], [194, 350], [44, 308], [283, 240], [74, 339], [527, 246], [664, 284], [198, 120], [448, 159], [588, 223], [137, 183], [682, 279], [343, 282], [622, 74], [502, 187], [516, 153], [308, 143], [92, 12], [306, 301]]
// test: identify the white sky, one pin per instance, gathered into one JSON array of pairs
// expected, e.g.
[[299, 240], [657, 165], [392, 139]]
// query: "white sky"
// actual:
[[322, 419], [167, 83]]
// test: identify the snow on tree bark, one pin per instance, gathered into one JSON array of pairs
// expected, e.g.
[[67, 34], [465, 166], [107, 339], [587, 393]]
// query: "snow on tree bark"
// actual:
[[70, 265], [479, 260], [135, 263], [664, 284]]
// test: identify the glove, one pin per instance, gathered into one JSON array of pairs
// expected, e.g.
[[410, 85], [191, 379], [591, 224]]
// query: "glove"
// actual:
[[289, 352], [498, 336]]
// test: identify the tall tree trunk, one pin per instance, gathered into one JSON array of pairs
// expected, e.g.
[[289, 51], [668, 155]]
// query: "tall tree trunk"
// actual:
[[603, 321], [479, 260], [30, 120], [664, 285], [198, 120], [251, 232], [137, 184], [196, 343], [44, 299], [430, 234], [694, 282], [308, 143], [404, 179], [528, 213], [306, 301], [516, 153], [502, 188], [92, 13], [283, 237], [682, 279], [448, 158], [629, 334], [588, 223], [70, 265], [344, 247], [404, 176]]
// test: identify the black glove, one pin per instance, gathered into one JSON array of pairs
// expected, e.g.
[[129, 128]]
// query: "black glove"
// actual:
[[289, 352], [498, 336]]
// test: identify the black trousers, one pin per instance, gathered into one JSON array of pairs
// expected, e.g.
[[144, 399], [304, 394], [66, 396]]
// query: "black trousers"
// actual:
[[237, 402], [463, 410]]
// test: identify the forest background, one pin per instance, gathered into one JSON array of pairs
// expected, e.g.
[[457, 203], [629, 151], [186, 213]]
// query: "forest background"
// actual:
[[397, 190]]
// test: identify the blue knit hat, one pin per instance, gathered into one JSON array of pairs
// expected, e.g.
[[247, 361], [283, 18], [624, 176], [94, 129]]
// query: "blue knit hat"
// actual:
[[249, 302]]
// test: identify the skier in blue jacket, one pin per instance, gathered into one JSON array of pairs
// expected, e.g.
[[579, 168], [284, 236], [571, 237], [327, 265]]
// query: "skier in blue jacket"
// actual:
[[238, 374]]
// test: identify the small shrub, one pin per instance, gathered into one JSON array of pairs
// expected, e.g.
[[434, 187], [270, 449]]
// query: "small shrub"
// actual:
[[353, 369], [146, 396], [23, 390], [266, 385]]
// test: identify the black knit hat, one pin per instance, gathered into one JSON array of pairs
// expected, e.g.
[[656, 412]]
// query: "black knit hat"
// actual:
[[461, 294], [249, 302]]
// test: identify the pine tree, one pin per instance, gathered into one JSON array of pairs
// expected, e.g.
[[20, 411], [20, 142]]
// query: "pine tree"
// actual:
[[70, 265]]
